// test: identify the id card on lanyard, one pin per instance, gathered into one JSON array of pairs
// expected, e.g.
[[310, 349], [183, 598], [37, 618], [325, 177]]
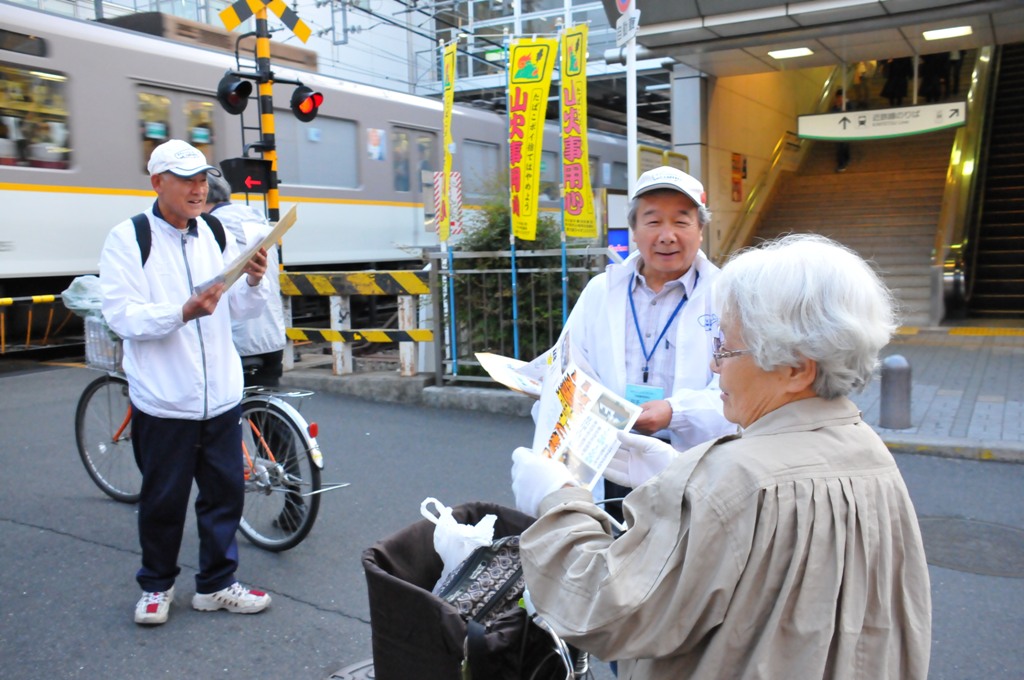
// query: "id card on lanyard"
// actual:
[[639, 394]]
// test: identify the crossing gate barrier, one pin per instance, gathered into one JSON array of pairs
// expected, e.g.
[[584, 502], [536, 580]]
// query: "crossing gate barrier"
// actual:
[[340, 287]]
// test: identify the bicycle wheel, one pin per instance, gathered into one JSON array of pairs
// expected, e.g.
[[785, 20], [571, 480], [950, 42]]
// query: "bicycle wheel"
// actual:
[[103, 433], [279, 476]]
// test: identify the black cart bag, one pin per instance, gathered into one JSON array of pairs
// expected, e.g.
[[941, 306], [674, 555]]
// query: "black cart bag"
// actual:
[[418, 635]]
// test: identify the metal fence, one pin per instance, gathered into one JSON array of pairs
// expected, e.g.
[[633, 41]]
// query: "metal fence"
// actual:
[[473, 308]]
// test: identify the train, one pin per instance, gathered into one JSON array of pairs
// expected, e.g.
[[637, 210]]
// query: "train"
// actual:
[[83, 103]]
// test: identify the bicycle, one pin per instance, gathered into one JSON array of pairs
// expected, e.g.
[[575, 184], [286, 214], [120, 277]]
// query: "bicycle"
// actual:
[[282, 459]]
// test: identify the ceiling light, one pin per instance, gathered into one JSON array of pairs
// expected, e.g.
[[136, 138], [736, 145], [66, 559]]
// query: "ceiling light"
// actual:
[[942, 33], [789, 54], [658, 86]]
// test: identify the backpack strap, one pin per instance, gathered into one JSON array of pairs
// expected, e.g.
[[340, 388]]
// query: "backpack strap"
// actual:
[[144, 235], [217, 227]]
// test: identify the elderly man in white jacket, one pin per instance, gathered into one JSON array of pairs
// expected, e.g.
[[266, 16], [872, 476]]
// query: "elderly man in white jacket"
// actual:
[[647, 326]]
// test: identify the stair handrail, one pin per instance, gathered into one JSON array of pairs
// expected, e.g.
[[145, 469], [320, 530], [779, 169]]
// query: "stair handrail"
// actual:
[[788, 154], [959, 214]]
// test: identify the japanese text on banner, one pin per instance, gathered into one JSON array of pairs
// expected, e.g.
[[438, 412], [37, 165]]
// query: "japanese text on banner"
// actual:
[[579, 198], [531, 63], [445, 213]]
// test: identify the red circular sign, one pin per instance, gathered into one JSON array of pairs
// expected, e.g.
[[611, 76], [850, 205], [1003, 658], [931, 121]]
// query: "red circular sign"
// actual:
[[623, 5]]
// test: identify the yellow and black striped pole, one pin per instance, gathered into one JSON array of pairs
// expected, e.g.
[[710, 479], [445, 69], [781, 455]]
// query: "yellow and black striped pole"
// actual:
[[268, 138]]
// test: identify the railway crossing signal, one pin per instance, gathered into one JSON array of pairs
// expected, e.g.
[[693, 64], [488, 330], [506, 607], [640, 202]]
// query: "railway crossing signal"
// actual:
[[233, 93], [241, 10], [234, 90], [306, 103]]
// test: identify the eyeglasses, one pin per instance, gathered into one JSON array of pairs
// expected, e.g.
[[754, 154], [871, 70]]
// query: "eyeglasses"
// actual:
[[720, 353]]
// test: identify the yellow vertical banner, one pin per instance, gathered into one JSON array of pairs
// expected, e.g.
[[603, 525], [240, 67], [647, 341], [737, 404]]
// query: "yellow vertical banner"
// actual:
[[531, 63], [578, 214], [444, 215]]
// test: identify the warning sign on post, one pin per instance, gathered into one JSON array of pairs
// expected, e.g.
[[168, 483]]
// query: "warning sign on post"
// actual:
[[882, 123]]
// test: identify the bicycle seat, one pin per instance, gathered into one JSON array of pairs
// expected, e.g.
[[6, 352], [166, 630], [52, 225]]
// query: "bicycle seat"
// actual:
[[251, 364]]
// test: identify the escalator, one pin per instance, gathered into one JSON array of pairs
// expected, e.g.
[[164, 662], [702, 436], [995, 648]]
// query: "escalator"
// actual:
[[996, 284]]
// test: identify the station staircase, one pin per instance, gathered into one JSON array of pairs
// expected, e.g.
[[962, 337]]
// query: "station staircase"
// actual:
[[885, 206], [997, 275]]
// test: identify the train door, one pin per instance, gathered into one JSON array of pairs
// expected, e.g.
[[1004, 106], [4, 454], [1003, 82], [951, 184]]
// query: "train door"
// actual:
[[414, 151], [169, 114]]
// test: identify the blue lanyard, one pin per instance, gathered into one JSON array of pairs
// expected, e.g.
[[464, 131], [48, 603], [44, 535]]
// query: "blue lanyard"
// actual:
[[636, 323]]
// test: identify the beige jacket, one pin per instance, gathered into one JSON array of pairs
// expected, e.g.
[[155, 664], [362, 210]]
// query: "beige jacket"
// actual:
[[792, 551]]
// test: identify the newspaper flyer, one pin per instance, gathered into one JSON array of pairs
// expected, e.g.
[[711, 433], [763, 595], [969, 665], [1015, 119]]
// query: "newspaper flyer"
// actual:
[[577, 423], [233, 271], [512, 373], [577, 417]]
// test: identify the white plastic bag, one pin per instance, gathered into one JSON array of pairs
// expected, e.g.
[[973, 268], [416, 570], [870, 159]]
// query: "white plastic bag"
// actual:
[[453, 541], [84, 296]]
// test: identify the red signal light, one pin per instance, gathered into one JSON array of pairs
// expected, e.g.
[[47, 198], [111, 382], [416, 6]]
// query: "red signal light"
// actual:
[[306, 103], [233, 93]]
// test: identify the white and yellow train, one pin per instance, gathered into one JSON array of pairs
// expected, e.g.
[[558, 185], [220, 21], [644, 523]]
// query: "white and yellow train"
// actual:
[[82, 104]]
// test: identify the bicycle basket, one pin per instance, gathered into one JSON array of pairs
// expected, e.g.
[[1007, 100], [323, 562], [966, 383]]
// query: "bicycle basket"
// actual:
[[102, 350]]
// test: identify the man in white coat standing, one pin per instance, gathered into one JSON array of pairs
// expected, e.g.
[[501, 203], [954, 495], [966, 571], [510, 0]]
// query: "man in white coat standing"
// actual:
[[647, 326]]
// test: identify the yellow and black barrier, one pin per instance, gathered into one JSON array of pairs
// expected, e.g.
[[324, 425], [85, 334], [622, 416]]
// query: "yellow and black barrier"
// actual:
[[340, 287], [355, 283], [370, 335], [31, 301]]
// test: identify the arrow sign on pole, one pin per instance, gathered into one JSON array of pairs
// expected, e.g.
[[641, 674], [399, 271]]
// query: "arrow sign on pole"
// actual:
[[251, 175]]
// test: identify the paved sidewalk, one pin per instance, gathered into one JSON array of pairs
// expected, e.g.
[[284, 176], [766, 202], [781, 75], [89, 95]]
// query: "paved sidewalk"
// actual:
[[967, 392]]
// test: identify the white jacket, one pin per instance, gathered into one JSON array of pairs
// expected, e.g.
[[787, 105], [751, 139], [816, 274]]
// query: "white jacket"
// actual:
[[175, 370], [264, 333], [597, 328]]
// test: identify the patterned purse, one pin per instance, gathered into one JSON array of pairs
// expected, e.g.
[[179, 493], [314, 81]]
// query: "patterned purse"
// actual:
[[488, 583]]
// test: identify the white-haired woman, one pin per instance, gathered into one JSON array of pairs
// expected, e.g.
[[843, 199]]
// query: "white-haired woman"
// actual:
[[789, 551]]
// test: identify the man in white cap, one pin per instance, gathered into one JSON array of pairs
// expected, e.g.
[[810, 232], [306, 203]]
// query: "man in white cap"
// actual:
[[184, 380], [647, 327]]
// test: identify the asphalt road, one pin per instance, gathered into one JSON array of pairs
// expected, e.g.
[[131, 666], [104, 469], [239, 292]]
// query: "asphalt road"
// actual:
[[67, 588]]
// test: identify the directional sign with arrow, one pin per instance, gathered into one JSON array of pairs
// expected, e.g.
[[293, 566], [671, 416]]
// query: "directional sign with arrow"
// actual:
[[882, 123], [247, 175]]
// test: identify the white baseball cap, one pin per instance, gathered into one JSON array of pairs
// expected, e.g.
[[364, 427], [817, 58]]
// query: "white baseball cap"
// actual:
[[666, 177], [179, 157]]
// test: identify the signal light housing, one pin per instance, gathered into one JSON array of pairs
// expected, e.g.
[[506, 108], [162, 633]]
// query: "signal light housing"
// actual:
[[306, 103], [233, 93]]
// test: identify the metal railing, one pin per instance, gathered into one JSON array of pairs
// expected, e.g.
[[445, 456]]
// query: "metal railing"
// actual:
[[483, 317]]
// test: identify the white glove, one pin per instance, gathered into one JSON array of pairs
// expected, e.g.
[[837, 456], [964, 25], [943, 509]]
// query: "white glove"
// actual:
[[534, 476], [638, 459]]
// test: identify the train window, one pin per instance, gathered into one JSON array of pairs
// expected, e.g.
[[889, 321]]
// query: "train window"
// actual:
[[34, 130], [324, 152], [199, 119], [620, 176], [413, 151], [481, 165], [595, 172], [22, 44], [550, 170], [154, 123]]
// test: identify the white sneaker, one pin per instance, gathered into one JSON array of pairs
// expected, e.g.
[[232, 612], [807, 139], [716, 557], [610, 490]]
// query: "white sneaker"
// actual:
[[236, 598], [153, 608]]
